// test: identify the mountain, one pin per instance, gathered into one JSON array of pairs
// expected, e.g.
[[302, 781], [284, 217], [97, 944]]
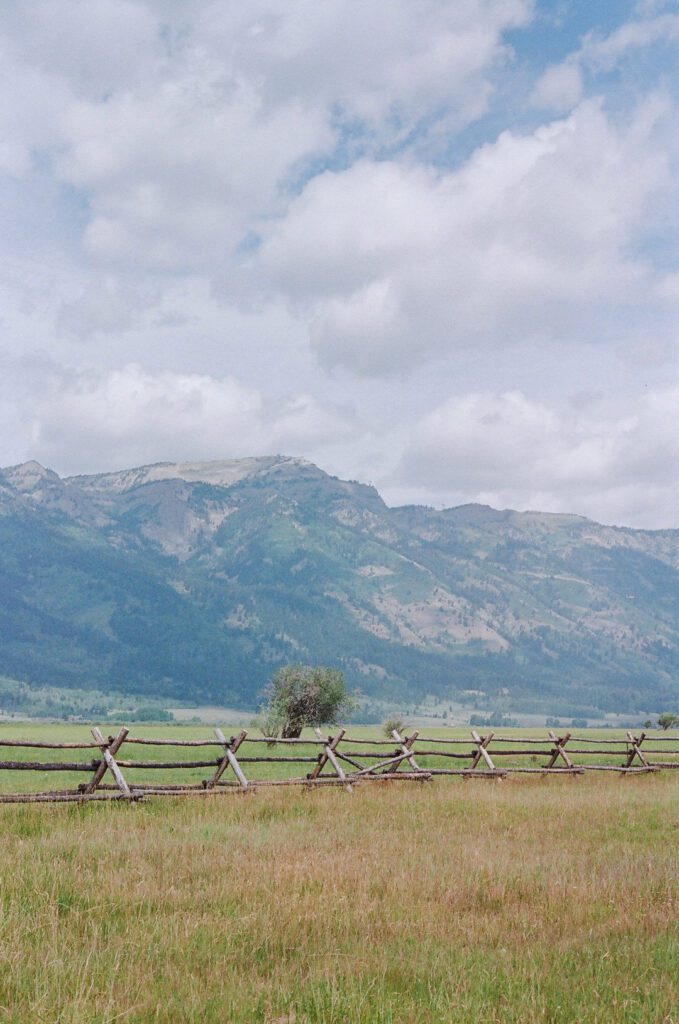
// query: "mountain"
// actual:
[[196, 580]]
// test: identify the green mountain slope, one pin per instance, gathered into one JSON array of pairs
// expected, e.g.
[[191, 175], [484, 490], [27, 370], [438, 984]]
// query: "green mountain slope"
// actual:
[[196, 580]]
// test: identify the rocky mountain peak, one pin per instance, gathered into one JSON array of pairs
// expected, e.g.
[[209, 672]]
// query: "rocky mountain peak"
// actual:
[[30, 476], [219, 473]]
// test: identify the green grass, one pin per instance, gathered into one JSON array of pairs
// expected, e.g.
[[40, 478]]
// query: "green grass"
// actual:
[[516, 902], [33, 781]]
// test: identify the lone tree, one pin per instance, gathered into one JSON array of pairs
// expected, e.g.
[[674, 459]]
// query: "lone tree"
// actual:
[[667, 720], [300, 695]]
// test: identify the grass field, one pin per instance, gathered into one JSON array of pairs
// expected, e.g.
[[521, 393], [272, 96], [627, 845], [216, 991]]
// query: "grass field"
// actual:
[[33, 781], [525, 901]]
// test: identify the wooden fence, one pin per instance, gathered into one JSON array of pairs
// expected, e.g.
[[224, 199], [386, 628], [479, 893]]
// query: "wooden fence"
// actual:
[[329, 760]]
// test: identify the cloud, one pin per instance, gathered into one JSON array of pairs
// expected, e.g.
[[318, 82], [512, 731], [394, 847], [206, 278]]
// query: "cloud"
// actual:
[[176, 177], [122, 415], [604, 53], [380, 67], [235, 228], [81, 420], [616, 464], [106, 305], [560, 88], [182, 125], [390, 264]]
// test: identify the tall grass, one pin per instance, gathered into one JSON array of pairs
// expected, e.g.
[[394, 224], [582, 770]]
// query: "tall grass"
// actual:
[[522, 901]]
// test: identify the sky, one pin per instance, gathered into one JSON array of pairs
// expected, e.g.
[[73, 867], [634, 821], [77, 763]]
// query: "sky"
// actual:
[[428, 244]]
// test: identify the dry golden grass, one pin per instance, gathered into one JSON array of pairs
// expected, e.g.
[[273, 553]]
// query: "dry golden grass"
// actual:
[[523, 901]]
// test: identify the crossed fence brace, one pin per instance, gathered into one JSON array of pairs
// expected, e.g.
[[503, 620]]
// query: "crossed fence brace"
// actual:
[[334, 765], [110, 747], [329, 755], [635, 751]]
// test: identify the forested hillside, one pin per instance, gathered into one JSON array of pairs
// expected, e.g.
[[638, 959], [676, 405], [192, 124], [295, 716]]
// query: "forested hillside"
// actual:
[[194, 581]]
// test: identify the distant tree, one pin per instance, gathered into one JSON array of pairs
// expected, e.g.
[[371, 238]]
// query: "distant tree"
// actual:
[[391, 724], [668, 720], [149, 714], [300, 695]]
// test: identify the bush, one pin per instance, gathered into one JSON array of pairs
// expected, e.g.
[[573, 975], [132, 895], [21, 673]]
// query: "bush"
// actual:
[[392, 724]]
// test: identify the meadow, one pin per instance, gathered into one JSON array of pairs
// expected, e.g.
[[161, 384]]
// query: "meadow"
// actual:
[[282, 763], [528, 900]]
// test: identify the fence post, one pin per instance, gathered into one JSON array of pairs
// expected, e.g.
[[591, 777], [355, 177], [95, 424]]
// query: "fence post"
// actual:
[[328, 754], [385, 769], [482, 752], [635, 751], [558, 751], [108, 749], [406, 750], [230, 748]]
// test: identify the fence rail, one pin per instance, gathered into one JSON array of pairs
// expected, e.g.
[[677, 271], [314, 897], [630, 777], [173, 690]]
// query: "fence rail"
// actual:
[[330, 759]]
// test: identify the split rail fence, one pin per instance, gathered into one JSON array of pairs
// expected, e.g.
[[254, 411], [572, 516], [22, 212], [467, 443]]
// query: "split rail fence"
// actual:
[[243, 763]]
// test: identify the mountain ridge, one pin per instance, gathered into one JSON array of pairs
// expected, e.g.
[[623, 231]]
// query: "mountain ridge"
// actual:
[[208, 472], [199, 578]]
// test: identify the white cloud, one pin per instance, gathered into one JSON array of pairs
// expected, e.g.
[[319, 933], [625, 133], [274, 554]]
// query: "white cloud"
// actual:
[[235, 228], [382, 65], [604, 53], [175, 178], [106, 305], [92, 48], [533, 237], [121, 416], [79, 421], [506, 450], [560, 88], [184, 124]]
